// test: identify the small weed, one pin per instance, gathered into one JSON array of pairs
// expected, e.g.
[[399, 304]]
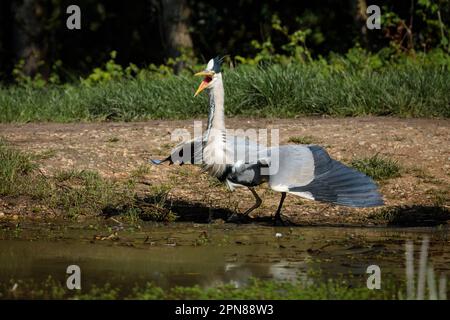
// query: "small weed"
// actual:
[[214, 182], [113, 139], [141, 171], [424, 176], [133, 215], [398, 138], [377, 167], [156, 206], [17, 172], [303, 140], [202, 239], [43, 155], [439, 197]]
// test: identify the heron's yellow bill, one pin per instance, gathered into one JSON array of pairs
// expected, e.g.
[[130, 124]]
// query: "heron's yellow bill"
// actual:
[[204, 84]]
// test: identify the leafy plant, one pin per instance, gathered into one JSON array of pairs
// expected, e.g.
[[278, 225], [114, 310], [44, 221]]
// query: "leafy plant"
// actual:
[[111, 71]]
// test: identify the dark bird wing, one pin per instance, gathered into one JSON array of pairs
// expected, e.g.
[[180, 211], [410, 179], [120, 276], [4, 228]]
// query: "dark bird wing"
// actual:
[[309, 172]]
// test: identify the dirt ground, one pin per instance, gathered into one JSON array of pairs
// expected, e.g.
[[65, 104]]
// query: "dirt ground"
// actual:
[[116, 150]]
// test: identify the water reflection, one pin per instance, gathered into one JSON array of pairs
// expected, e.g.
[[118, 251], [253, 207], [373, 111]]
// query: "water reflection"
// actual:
[[247, 252]]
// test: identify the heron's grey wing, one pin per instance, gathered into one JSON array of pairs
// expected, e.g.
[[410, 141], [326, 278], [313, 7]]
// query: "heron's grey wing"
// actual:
[[308, 171], [290, 166], [243, 149], [336, 183]]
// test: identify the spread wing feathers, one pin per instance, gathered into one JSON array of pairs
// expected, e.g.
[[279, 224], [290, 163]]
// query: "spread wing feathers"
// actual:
[[244, 149], [336, 183], [290, 166]]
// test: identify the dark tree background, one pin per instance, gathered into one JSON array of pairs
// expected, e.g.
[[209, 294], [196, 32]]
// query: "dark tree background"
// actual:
[[150, 31]]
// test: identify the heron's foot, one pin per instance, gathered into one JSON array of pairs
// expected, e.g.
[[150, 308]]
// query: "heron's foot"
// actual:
[[238, 218]]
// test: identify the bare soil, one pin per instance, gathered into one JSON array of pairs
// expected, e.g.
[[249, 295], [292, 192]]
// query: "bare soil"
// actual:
[[117, 150]]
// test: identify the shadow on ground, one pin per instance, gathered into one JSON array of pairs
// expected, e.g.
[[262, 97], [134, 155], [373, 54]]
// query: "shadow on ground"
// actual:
[[201, 213], [413, 216], [157, 209], [152, 208]]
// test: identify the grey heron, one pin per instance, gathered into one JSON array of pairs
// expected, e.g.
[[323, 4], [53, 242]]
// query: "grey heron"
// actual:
[[302, 170]]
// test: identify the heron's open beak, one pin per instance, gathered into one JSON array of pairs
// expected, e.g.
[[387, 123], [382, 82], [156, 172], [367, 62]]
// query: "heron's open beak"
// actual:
[[208, 77]]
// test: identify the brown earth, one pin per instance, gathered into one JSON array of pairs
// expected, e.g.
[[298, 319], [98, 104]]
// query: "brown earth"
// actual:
[[116, 150]]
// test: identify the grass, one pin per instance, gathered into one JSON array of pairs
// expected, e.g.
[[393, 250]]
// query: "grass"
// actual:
[[113, 139], [255, 290], [87, 193], [408, 90], [77, 192], [378, 167], [141, 171], [17, 172], [439, 197], [154, 206]]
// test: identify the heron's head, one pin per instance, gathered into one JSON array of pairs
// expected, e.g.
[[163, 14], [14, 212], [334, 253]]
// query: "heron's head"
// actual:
[[210, 75]]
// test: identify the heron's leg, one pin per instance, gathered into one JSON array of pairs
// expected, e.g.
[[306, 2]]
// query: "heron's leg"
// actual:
[[257, 203], [210, 215], [278, 213], [239, 217]]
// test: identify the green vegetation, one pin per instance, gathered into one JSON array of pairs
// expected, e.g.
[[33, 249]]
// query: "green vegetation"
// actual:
[[14, 167], [440, 197], [73, 193], [86, 192], [378, 167], [357, 84], [255, 290], [291, 59]]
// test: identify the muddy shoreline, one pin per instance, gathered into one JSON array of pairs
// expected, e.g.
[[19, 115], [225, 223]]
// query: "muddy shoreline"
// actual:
[[116, 150]]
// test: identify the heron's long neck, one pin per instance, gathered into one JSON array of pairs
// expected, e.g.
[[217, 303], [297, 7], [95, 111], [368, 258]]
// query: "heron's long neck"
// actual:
[[216, 117], [215, 152]]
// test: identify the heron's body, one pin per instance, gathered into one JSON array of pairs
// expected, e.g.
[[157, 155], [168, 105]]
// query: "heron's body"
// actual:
[[303, 170]]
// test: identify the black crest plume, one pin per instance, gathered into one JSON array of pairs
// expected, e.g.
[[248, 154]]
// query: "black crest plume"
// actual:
[[217, 63]]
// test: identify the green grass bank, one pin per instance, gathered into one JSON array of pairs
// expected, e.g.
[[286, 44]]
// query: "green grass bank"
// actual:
[[343, 87]]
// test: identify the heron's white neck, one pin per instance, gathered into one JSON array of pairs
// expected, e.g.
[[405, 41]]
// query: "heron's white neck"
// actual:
[[216, 117], [215, 152]]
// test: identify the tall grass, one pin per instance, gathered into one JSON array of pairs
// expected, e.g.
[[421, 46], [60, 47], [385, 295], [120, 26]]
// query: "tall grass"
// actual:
[[407, 90]]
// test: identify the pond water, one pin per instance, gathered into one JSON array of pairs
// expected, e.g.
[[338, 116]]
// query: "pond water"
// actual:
[[186, 254]]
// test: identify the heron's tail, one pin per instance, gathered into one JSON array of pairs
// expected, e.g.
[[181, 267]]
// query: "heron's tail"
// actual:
[[339, 184]]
